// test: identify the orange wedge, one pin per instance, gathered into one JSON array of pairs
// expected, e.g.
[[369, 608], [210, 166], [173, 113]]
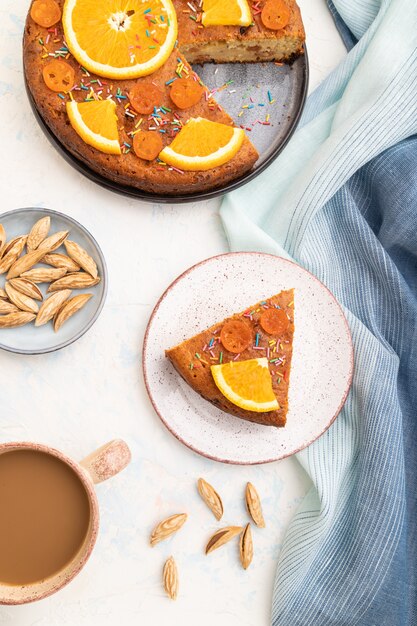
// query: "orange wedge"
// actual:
[[120, 39], [247, 384], [96, 124], [226, 13], [203, 145]]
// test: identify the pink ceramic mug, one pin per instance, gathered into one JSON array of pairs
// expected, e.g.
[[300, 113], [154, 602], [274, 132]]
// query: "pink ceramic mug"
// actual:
[[102, 464]]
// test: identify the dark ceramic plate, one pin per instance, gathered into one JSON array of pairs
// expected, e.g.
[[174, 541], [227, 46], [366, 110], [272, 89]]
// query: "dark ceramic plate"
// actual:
[[247, 96]]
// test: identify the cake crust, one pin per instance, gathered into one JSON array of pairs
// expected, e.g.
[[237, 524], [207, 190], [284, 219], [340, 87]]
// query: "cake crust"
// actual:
[[192, 359]]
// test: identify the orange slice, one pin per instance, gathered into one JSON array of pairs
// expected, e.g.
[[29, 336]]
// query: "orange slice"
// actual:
[[247, 384], [120, 39], [203, 145], [226, 13], [96, 123]]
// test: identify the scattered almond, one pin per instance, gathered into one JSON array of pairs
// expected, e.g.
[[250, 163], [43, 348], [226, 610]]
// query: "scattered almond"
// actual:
[[24, 303], [77, 280], [221, 537], [69, 308], [167, 527], [80, 256], [38, 233], [61, 260], [210, 497], [44, 274], [27, 287], [51, 305], [170, 578], [19, 318], [253, 503], [3, 294], [246, 547]]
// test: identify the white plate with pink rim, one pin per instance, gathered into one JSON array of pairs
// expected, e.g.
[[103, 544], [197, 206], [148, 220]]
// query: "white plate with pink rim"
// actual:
[[321, 370]]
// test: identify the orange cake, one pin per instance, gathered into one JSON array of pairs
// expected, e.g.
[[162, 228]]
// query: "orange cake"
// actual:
[[264, 331], [136, 136]]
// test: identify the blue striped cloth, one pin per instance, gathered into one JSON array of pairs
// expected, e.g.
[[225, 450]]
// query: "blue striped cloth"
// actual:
[[342, 201]]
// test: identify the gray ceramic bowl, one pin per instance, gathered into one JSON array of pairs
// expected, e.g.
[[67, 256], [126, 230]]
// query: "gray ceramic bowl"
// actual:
[[39, 340]]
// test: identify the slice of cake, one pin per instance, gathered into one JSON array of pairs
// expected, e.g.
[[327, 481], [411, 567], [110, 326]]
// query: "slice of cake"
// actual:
[[246, 44], [265, 330]]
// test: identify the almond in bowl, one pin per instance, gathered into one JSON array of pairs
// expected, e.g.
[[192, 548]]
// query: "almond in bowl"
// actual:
[[52, 280]]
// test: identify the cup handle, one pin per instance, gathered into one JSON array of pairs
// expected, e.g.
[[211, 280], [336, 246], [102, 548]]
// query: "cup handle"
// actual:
[[107, 461]]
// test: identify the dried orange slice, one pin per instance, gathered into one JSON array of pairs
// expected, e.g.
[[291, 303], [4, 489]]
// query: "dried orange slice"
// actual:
[[235, 336], [147, 144], [275, 14], [202, 145], [96, 123], [274, 321], [58, 75], [247, 384], [185, 92], [46, 13], [226, 13], [144, 97], [120, 39]]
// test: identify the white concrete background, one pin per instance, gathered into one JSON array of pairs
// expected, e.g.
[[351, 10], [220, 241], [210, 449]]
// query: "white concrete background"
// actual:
[[93, 391]]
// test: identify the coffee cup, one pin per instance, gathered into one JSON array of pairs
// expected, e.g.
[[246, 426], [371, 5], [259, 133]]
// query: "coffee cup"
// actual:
[[50, 515]]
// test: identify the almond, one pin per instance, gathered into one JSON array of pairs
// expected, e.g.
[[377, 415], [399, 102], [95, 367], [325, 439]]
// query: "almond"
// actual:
[[24, 264], [246, 547], [69, 308], [24, 303], [221, 537], [253, 503], [7, 307], [27, 287], [12, 320], [51, 306], [170, 578], [38, 233], [44, 274], [2, 238], [167, 527], [77, 280], [210, 497], [80, 256], [62, 261], [11, 252], [53, 241]]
